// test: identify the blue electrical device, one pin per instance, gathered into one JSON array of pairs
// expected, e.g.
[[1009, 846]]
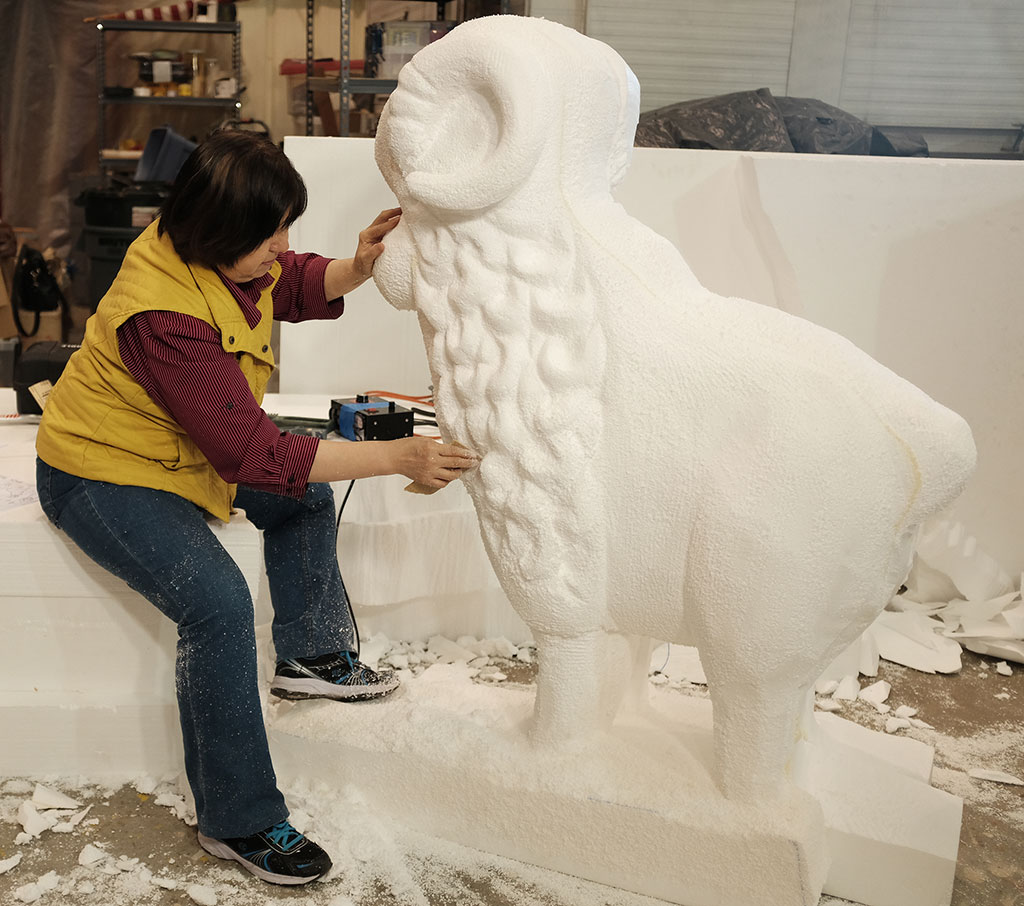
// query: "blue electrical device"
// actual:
[[370, 418]]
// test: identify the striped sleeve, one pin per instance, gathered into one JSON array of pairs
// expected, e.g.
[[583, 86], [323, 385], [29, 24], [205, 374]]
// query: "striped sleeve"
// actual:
[[179, 361], [299, 292]]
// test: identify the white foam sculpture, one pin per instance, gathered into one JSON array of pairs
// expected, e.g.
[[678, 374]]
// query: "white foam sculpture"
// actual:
[[659, 462]]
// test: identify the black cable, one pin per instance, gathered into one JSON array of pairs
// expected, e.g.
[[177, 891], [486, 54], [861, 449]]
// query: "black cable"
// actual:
[[341, 509], [348, 600]]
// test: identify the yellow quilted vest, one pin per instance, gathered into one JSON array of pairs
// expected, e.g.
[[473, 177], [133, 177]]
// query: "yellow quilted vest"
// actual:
[[99, 423]]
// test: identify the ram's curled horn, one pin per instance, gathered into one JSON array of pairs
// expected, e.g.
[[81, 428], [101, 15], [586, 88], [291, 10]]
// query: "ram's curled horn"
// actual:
[[459, 133]]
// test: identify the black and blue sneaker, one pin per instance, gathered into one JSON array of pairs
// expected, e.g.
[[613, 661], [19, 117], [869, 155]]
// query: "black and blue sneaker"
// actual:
[[279, 854], [340, 676]]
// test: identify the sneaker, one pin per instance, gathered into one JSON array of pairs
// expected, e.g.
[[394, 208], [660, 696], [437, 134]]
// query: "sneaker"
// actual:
[[279, 854], [340, 676]]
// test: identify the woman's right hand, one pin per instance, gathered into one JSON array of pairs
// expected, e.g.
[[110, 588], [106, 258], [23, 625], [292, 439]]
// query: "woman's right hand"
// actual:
[[428, 462]]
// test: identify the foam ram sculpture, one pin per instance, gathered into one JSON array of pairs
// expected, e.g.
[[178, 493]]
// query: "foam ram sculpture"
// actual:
[[659, 462]]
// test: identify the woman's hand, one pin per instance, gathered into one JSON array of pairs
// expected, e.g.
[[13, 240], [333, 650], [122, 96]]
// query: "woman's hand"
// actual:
[[371, 243], [429, 463]]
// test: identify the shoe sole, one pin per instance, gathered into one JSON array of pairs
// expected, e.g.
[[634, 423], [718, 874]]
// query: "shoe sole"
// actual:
[[298, 688], [223, 851]]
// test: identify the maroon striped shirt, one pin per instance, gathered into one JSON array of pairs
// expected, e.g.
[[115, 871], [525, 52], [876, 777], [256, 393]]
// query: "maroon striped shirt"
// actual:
[[179, 361]]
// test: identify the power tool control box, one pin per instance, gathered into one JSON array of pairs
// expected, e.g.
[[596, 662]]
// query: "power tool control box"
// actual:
[[370, 418]]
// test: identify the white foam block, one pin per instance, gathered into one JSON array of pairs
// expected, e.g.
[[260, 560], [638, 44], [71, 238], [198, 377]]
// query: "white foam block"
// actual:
[[891, 840], [639, 811], [72, 732]]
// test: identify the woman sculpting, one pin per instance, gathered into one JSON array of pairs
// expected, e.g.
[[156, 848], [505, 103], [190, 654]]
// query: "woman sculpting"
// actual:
[[156, 426]]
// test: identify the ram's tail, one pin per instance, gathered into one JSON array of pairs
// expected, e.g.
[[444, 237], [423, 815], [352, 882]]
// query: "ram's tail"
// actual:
[[941, 452]]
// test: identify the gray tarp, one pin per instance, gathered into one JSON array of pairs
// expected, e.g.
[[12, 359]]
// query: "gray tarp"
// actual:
[[759, 121], [48, 110]]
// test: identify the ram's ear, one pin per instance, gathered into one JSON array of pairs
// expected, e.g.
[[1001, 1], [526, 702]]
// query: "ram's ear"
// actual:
[[466, 125]]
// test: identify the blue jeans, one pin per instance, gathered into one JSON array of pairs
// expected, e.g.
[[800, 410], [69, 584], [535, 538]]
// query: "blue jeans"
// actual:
[[162, 546]]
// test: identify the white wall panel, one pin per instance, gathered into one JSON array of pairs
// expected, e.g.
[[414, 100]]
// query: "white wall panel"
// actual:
[[935, 62], [683, 49]]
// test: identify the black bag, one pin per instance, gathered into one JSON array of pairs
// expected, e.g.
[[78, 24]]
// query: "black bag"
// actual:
[[35, 289]]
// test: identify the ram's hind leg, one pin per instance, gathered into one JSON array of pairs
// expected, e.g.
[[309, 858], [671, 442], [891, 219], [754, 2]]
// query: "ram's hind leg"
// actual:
[[757, 726]]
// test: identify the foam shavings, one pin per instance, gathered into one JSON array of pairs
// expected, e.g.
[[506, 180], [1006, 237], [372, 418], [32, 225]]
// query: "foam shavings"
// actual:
[[91, 855], [67, 827], [894, 724], [373, 649], [956, 586], [145, 784], [7, 864], [32, 822], [201, 894], [29, 893], [165, 883], [1011, 649], [875, 695], [447, 651], [178, 805], [994, 776], [498, 647], [848, 689], [826, 687], [45, 798], [914, 640]]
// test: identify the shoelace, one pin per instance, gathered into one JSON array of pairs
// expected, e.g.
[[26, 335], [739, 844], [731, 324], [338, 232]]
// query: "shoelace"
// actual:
[[284, 835], [343, 667]]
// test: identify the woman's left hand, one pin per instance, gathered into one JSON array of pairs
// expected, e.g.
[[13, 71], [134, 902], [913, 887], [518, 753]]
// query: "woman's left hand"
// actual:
[[371, 243]]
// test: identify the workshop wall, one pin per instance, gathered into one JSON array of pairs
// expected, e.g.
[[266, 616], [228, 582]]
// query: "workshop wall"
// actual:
[[949, 68]]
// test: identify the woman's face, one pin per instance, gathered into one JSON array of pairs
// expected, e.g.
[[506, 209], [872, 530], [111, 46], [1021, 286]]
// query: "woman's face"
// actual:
[[257, 262]]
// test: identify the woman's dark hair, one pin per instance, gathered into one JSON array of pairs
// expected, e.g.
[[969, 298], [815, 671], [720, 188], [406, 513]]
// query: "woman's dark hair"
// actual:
[[235, 191]]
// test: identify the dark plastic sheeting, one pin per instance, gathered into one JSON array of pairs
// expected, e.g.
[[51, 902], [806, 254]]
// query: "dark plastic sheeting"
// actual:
[[759, 121], [744, 121]]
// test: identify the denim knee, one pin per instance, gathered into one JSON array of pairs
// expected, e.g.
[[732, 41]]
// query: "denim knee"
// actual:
[[319, 494]]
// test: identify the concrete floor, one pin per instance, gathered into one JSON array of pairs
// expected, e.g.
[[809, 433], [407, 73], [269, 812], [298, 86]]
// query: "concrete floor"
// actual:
[[977, 720]]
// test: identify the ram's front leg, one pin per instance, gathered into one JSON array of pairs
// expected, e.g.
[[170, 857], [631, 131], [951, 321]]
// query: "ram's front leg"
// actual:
[[580, 681]]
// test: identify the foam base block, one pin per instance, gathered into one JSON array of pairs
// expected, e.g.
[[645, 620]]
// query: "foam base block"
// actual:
[[637, 809]]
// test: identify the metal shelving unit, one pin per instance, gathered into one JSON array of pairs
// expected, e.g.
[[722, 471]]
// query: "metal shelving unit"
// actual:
[[228, 105], [345, 84]]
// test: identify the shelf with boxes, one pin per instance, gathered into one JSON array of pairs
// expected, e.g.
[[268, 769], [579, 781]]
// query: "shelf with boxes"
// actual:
[[161, 87], [389, 45], [184, 87]]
